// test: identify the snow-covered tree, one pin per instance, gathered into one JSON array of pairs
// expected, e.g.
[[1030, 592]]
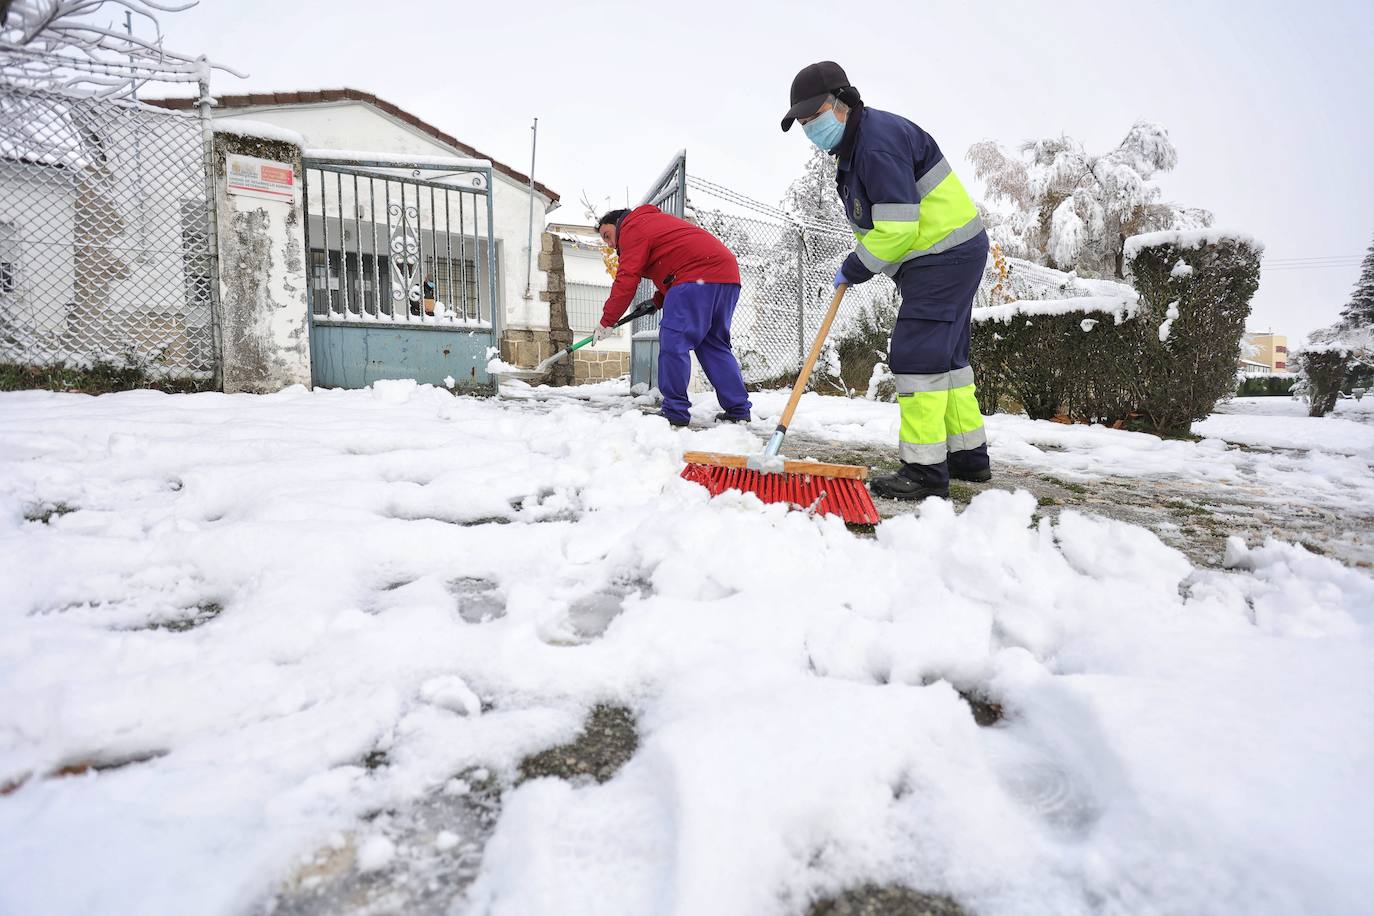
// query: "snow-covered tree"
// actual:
[[811, 198], [1071, 210], [76, 44], [1359, 312]]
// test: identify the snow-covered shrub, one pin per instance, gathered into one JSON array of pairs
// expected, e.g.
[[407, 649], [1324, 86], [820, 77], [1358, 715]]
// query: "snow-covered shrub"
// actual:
[[1054, 347], [1324, 368], [1052, 356], [1101, 352], [1322, 372], [1188, 329]]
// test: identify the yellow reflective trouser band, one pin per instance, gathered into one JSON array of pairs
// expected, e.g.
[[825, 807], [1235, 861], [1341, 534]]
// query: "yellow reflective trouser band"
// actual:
[[939, 415], [963, 420], [923, 427]]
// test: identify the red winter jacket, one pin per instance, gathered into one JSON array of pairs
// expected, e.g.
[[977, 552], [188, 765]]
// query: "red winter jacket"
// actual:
[[654, 245]]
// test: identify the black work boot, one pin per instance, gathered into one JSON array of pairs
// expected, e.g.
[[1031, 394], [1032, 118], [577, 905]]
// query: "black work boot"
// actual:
[[971, 464], [913, 481], [724, 417], [675, 422]]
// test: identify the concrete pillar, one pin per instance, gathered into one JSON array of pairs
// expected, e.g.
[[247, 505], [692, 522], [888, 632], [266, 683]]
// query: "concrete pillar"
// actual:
[[264, 315]]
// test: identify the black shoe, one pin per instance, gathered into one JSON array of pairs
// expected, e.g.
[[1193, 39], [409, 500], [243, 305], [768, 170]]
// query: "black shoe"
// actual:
[[898, 486], [982, 476], [724, 417], [674, 422]]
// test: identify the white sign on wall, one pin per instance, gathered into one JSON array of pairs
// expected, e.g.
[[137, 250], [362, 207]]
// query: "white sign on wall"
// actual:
[[252, 177]]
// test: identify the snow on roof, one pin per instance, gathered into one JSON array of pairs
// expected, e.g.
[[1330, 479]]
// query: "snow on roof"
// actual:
[[1189, 238], [318, 96]]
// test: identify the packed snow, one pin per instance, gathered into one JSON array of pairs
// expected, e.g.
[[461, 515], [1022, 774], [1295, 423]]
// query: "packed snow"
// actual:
[[219, 608], [1188, 238]]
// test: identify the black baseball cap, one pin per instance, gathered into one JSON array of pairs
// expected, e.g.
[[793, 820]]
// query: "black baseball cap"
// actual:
[[810, 88]]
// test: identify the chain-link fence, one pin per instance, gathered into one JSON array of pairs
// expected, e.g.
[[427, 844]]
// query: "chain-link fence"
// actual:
[[105, 254], [786, 270]]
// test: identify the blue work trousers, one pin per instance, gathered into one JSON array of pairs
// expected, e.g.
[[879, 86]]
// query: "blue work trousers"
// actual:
[[696, 319]]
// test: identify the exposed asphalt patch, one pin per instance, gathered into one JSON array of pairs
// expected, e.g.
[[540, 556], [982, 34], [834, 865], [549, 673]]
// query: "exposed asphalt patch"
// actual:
[[607, 742], [886, 901]]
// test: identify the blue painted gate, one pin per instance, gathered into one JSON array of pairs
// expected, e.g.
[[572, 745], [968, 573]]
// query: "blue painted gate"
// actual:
[[402, 270]]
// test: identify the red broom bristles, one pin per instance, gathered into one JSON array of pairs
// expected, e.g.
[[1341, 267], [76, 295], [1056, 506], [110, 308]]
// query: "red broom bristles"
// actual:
[[843, 496]]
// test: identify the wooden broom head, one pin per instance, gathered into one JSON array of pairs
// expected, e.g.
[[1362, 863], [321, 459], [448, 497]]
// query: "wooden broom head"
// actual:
[[781, 466]]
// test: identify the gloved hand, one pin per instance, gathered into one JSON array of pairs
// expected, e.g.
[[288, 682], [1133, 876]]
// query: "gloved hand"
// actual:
[[839, 278], [601, 333]]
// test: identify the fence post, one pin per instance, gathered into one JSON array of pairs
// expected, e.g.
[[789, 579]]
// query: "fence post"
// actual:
[[207, 135], [801, 297]]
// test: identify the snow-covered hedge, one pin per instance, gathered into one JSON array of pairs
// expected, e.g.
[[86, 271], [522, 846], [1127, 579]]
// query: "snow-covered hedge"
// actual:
[[1195, 290], [1324, 367], [1103, 352]]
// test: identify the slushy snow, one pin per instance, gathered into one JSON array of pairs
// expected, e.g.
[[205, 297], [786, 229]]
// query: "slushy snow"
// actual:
[[229, 603]]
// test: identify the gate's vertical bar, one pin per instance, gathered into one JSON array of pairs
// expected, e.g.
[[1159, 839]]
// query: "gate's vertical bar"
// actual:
[[343, 246], [434, 249], [357, 247], [390, 252], [207, 140], [463, 256], [448, 256], [376, 259], [309, 271], [491, 263], [801, 297], [405, 275], [324, 250], [419, 229]]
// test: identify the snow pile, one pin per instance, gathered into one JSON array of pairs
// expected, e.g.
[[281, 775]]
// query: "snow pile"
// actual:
[[250, 596], [1189, 238], [1327, 434], [246, 127], [1039, 290]]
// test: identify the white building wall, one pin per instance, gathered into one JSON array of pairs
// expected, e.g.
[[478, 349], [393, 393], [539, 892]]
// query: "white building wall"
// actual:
[[358, 126]]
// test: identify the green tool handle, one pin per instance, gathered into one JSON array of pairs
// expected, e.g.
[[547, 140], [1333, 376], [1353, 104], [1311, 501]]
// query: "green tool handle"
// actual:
[[639, 311]]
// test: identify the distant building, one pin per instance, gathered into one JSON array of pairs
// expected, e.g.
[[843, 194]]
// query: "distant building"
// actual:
[[1266, 353]]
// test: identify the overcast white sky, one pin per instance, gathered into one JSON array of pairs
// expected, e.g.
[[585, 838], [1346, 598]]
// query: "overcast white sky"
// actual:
[[1269, 103]]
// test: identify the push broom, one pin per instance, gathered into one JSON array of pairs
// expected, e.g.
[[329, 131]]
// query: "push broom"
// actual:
[[826, 489]]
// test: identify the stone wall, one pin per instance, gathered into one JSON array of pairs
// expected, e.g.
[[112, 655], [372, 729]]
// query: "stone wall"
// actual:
[[555, 294], [595, 366]]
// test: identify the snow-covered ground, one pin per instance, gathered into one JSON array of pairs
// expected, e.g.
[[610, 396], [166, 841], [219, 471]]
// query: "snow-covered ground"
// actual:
[[219, 611]]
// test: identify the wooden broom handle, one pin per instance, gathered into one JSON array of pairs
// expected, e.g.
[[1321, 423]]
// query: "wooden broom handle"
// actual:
[[810, 364]]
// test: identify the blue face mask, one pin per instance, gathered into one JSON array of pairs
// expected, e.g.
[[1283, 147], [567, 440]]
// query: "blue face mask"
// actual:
[[826, 131]]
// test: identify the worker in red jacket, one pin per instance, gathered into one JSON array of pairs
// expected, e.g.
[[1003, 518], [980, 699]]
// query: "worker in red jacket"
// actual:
[[698, 287]]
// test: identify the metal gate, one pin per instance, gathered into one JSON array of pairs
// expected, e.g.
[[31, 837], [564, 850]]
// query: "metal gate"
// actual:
[[669, 194], [402, 270]]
